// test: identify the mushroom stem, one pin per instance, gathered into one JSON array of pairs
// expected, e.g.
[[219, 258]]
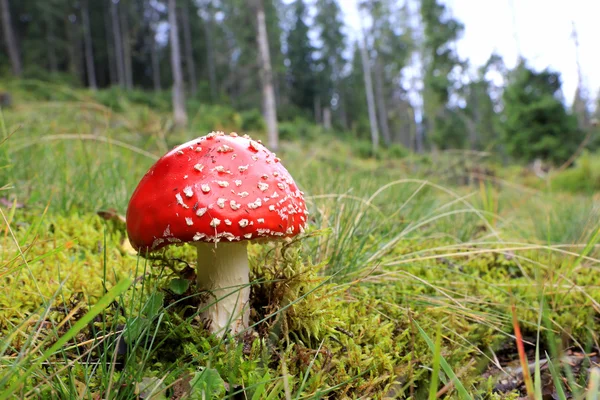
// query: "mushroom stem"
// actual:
[[222, 269]]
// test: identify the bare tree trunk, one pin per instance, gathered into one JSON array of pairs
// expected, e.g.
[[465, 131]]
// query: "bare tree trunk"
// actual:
[[50, 50], [87, 40], [153, 45], [381, 104], [267, 76], [327, 118], [155, 64], [179, 113], [127, 67], [370, 96], [74, 47], [116, 29], [110, 53], [9, 38], [317, 109], [210, 59], [343, 111], [189, 51]]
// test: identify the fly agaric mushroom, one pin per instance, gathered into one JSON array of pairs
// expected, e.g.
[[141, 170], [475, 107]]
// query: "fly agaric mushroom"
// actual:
[[217, 192]]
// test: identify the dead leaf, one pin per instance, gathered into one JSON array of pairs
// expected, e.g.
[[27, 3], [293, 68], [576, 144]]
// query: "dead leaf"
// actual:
[[111, 215], [11, 203]]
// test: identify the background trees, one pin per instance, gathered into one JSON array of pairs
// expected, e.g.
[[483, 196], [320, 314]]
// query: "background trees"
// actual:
[[313, 70]]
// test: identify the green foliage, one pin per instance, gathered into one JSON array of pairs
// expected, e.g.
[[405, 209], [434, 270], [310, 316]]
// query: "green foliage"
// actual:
[[440, 60], [252, 121], [582, 177], [535, 122], [301, 71]]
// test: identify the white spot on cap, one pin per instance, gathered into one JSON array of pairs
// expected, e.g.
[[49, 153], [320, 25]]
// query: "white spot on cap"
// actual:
[[272, 207], [255, 158], [234, 206], [281, 185], [242, 168], [180, 200], [243, 223], [275, 173], [189, 221], [260, 220], [223, 183], [255, 205], [199, 236], [199, 167], [180, 152], [238, 182], [264, 176], [201, 211], [247, 235], [233, 134], [167, 231], [221, 202], [263, 186], [205, 188], [198, 149], [215, 222], [243, 194], [254, 145], [289, 230], [188, 191], [274, 195], [224, 149], [227, 222]]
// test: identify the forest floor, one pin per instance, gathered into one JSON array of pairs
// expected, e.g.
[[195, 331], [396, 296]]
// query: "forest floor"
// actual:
[[414, 279]]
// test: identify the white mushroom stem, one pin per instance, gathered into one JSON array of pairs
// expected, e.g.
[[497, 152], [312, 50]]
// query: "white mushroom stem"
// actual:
[[222, 269]]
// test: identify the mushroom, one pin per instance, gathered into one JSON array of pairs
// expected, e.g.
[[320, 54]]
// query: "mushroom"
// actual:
[[217, 192]]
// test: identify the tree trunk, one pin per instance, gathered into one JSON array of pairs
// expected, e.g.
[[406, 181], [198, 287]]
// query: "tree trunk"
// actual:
[[189, 51], [50, 38], [343, 110], [179, 113], [74, 48], [210, 58], [87, 40], [153, 46], [118, 41], [155, 63], [9, 38], [327, 118], [127, 67], [370, 96], [317, 109], [266, 76], [110, 53], [381, 104]]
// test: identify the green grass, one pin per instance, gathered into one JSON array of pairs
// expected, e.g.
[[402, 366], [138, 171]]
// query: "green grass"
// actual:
[[402, 286]]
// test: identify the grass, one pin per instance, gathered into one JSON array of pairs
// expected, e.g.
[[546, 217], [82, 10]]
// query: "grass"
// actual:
[[406, 284]]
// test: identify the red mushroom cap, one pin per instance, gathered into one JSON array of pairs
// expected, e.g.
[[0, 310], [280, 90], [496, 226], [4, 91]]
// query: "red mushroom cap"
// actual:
[[215, 187]]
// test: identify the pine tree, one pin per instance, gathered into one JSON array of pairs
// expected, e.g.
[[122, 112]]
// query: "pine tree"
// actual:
[[301, 72], [535, 122], [330, 54]]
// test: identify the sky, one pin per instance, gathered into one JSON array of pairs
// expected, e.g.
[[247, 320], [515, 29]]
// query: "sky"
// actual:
[[540, 30]]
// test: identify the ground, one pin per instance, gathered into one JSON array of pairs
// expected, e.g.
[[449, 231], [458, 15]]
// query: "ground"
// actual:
[[416, 276]]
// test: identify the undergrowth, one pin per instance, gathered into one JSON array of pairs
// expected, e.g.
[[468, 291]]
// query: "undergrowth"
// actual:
[[403, 285]]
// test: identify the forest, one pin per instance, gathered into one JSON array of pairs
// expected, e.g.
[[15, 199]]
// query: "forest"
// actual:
[[451, 241], [318, 72]]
